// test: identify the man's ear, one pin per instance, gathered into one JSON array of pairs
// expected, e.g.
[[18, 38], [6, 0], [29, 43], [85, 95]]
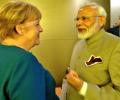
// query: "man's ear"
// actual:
[[18, 29], [102, 20]]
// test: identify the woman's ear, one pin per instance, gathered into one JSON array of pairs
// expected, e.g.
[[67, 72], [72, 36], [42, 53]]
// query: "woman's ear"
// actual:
[[18, 29]]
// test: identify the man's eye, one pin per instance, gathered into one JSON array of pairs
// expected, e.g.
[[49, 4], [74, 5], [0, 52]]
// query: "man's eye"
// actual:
[[77, 19], [81, 18], [84, 18]]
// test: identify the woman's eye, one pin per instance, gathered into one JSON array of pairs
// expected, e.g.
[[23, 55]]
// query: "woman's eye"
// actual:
[[37, 24]]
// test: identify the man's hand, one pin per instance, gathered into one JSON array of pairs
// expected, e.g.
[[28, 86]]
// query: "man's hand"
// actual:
[[74, 80]]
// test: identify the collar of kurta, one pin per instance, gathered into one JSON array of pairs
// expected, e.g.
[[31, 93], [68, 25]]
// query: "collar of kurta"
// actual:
[[96, 37]]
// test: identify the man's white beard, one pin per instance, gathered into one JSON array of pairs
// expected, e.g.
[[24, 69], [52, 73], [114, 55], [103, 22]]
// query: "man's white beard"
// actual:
[[89, 32]]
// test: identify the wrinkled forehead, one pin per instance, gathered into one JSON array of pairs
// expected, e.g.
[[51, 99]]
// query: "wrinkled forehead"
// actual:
[[88, 11]]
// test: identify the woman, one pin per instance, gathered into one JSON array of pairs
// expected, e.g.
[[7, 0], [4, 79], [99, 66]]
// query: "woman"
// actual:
[[22, 77]]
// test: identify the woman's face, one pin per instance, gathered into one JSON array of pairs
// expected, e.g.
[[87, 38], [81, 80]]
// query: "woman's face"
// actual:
[[32, 31]]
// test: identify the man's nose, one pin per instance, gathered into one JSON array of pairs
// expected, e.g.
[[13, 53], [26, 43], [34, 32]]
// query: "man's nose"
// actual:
[[79, 23]]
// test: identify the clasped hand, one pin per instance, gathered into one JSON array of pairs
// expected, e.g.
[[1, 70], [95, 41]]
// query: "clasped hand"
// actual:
[[74, 80]]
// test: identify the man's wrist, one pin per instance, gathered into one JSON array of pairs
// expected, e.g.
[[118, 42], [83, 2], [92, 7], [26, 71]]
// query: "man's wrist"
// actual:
[[83, 89]]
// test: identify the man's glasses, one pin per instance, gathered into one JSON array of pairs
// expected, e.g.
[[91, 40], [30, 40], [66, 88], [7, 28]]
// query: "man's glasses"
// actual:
[[85, 18]]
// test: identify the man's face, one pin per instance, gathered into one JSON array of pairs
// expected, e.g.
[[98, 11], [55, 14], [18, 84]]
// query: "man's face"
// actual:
[[87, 22]]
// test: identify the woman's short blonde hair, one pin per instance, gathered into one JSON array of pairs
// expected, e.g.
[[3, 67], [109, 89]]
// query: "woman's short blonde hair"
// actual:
[[16, 12]]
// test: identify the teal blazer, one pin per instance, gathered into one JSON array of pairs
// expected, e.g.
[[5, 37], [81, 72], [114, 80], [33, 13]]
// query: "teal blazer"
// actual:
[[22, 77]]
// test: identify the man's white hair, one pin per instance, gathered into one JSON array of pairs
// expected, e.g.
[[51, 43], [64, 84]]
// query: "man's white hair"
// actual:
[[101, 10]]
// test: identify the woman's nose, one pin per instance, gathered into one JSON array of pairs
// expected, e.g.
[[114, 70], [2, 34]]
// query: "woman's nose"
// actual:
[[40, 29]]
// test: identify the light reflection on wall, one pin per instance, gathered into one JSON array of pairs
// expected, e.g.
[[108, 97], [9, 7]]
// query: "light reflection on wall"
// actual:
[[115, 13], [77, 4]]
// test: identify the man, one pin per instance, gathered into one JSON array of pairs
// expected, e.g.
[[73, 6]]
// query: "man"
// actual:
[[117, 23], [95, 62]]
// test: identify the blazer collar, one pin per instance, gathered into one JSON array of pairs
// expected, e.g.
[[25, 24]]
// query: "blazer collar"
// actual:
[[96, 37]]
